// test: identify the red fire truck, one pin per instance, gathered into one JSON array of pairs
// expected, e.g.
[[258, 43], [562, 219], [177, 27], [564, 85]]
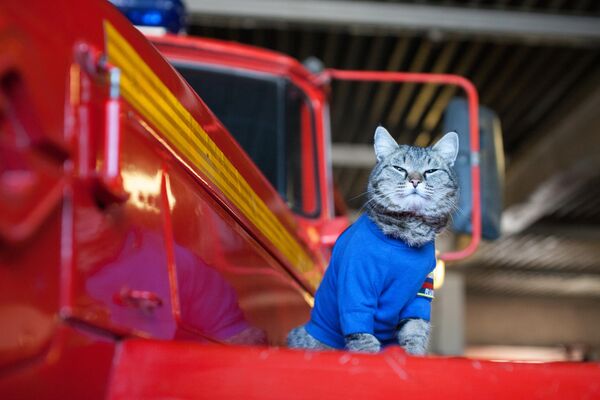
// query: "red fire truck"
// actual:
[[145, 252]]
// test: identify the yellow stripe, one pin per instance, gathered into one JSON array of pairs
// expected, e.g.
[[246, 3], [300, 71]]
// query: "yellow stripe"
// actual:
[[152, 99]]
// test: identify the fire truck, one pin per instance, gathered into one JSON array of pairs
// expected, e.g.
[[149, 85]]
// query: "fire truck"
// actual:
[[153, 247]]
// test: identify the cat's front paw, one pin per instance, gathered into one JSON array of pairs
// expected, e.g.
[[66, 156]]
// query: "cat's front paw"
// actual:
[[413, 336], [362, 343]]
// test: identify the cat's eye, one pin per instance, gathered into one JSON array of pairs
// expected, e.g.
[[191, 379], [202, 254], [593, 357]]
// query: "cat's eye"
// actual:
[[400, 169], [430, 171]]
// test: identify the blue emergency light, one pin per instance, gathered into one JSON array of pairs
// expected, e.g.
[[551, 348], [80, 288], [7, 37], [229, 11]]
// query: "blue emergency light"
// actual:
[[168, 14]]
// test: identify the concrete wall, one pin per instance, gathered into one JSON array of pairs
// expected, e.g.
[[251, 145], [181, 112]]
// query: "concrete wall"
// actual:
[[448, 316], [462, 319], [530, 321]]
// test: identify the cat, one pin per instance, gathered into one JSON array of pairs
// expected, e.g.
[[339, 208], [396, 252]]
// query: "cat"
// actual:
[[378, 287]]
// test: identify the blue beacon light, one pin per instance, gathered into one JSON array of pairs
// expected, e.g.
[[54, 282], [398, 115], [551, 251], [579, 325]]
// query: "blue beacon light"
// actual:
[[169, 14]]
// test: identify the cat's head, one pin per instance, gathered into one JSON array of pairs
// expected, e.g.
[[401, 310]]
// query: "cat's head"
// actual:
[[414, 180]]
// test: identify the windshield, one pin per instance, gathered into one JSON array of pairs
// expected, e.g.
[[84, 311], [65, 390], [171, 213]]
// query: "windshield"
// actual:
[[265, 115]]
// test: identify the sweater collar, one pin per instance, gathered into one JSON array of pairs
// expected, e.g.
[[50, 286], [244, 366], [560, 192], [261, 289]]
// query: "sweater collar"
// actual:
[[372, 226]]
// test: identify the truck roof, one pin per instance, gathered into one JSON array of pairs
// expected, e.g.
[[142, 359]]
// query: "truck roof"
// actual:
[[249, 57]]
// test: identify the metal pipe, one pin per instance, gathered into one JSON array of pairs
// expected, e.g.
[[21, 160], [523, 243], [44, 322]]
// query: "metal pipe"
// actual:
[[395, 17]]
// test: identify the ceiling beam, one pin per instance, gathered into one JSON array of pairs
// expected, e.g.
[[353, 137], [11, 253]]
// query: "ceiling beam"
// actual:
[[347, 155], [549, 195], [527, 321], [550, 169], [533, 283], [545, 252], [588, 232], [396, 17]]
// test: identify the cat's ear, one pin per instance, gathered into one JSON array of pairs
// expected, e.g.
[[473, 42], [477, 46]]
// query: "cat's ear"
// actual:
[[384, 143], [447, 147]]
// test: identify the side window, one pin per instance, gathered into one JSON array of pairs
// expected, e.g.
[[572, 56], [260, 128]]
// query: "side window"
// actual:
[[272, 121]]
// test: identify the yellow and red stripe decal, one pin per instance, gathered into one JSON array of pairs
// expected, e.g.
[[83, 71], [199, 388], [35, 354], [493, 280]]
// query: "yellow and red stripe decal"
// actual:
[[144, 90]]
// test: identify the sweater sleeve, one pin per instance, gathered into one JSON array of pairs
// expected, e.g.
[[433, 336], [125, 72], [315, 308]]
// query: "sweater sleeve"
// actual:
[[358, 291], [420, 305]]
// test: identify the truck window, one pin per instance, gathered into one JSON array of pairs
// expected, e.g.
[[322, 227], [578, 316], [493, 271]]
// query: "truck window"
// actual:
[[267, 115]]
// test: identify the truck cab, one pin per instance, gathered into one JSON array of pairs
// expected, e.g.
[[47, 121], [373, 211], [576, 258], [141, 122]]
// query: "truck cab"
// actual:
[[138, 212]]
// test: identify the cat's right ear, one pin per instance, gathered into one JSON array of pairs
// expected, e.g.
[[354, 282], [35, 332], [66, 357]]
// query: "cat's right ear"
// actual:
[[447, 147], [385, 144]]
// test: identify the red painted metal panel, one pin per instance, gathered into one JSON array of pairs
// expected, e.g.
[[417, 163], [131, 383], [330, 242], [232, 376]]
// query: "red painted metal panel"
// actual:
[[31, 184], [210, 51], [229, 288], [29, 292], [119, 250], [75, 365], [308, 162], [117, 263], [153, 370]]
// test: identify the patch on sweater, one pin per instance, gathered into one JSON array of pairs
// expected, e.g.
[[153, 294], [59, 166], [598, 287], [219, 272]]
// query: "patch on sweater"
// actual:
[[427, 288]]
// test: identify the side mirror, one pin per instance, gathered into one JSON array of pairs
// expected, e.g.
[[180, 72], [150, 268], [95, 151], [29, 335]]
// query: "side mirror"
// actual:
[[491, 162]]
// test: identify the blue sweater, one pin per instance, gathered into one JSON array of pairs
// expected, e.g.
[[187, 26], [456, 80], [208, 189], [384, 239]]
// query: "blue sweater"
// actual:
[[372, 283]]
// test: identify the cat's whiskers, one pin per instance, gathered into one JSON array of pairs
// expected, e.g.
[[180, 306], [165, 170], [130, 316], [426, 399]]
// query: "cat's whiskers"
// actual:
[[389, 195], [378, 196], [358, 195], [374, 198]]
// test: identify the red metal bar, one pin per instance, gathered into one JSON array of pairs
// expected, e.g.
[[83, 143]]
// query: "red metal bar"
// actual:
[[169, 246], [473, 105], [309, 184]]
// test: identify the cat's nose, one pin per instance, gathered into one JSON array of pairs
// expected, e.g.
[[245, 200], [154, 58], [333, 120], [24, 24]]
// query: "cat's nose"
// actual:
[[415, 182]]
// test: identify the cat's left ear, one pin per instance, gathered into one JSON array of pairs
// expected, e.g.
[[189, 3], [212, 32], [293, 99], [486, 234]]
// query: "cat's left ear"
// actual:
[[447, 147], [385, 144]]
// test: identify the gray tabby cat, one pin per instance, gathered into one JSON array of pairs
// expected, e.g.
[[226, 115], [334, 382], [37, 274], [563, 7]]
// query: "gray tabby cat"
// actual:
[[411, 193]]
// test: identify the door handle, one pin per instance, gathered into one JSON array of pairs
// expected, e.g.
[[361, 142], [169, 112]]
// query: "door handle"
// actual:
[[142, 299], [99, 84]]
